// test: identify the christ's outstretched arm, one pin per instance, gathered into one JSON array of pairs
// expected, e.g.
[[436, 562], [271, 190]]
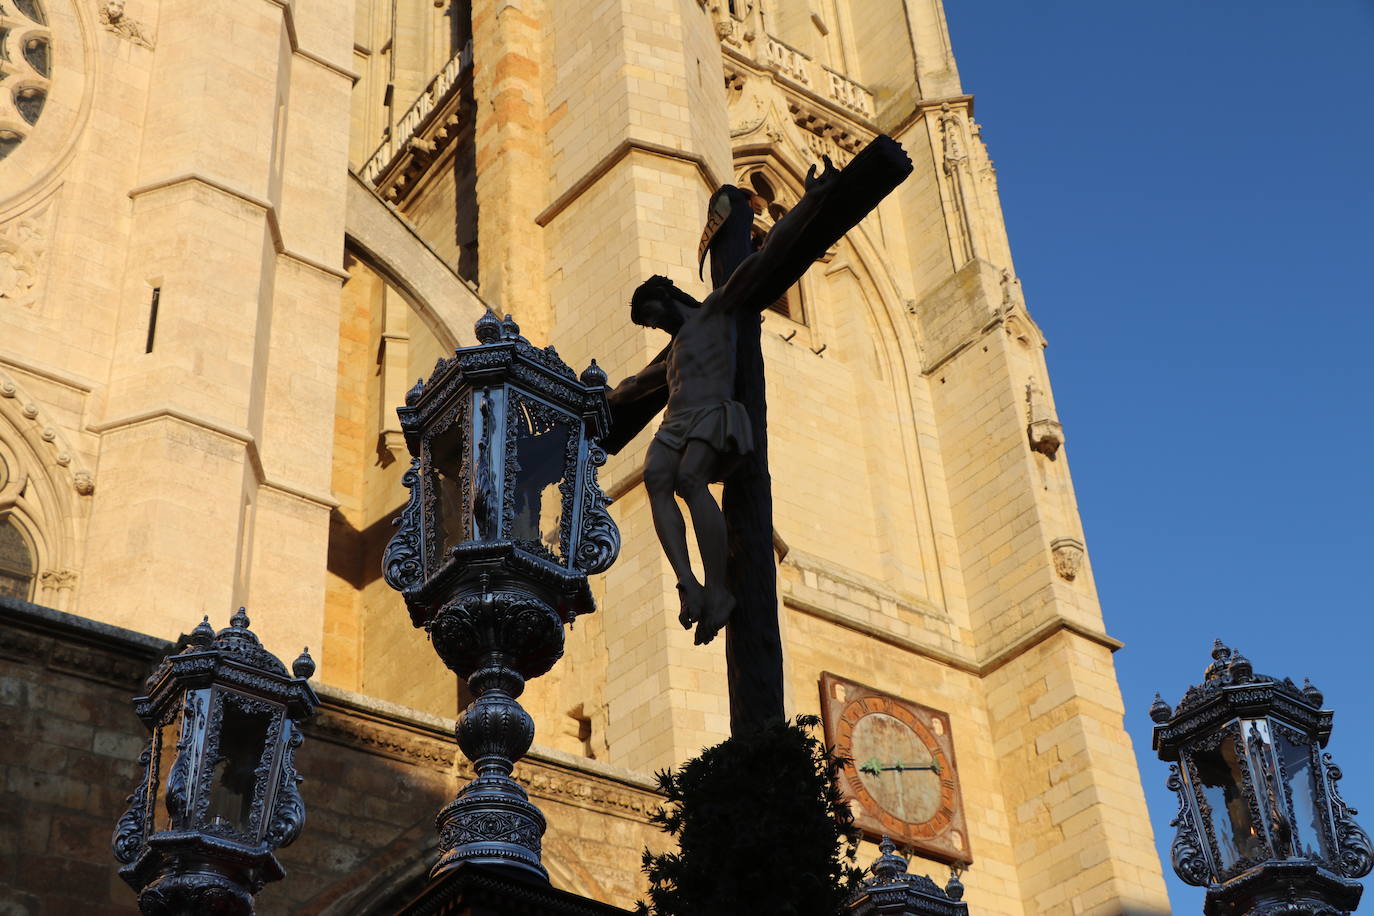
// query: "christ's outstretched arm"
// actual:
[[769, 272]]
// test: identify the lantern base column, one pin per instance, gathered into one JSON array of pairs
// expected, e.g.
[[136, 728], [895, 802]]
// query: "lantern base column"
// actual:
[[491, 822], [1284, 888], [495, 639]]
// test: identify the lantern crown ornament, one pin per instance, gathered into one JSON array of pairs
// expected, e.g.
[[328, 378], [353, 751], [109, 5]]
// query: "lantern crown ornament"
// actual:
[[889, 890], [504, 524], [218, 794], [1260, 821]]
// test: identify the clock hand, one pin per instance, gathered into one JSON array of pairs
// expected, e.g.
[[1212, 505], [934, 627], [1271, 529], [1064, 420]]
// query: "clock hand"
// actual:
[[875, 767]]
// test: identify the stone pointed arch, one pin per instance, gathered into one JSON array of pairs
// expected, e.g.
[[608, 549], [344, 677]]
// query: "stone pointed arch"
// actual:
[[46, 493]]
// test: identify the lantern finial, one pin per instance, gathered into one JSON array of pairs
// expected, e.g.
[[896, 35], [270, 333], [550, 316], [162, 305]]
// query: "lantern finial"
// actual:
[[1314, 696], [1159, 710], [593, 376], [203, 634], [415, 391], [488, 328], [304, 665], [954, 888]]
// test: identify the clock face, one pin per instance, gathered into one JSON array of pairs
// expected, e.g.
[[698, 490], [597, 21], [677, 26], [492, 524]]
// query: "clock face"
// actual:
[[902, 780]]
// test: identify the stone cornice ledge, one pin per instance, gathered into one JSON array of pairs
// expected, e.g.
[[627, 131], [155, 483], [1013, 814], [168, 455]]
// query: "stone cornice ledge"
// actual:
[[610, 160], [978, 668], [1041, 633], [441, 728], [241, 436], [289, 18], [66, 379], [266, 206]]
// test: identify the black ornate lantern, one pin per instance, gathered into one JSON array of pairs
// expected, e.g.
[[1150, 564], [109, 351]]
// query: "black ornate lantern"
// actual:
[[505, 522], [218, 794], [1260, 823], [889, 890]]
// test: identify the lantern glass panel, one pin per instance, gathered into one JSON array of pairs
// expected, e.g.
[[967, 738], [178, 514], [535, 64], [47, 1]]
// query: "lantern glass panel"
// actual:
[[450, 506], [1219, 774], [543, 442], [168, 734], [242, 741], [1309, 839]]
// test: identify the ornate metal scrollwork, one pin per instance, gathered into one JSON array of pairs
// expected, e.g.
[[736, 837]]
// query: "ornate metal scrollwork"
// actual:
[[174, 895], [128, 832], [1355, 854], [401, 563], [599, 544], [523, 632], [484, 513], [177, 796], [288, 814], [1189, 859]]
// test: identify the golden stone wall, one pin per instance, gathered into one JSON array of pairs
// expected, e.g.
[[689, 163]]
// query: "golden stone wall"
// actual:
[[543, 158]]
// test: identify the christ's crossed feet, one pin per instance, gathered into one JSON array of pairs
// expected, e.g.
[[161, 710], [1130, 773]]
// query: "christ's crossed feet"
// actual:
[[720, 604], [708, 608]]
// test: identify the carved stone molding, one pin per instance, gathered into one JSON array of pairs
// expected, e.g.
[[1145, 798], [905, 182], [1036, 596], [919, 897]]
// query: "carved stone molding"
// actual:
[[115, 20], [586, 792], [60, 450], [398, 744], [765, 111], [1068, 557], [58, 578]]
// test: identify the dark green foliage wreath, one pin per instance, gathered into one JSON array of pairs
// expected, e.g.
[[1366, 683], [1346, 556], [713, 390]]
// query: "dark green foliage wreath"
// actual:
[[761, 827]]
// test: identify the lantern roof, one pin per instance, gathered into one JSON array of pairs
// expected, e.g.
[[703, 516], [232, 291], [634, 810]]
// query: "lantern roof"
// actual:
[[1231, 688], [235, 657], [503, 356], [890, 888]]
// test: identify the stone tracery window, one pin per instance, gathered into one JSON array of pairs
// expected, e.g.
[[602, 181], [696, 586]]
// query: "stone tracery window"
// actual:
[[16, 561], [789, 303], [25, 69]]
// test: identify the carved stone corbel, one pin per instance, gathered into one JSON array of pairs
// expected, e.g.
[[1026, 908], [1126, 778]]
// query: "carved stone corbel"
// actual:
[[1045, 432], [58, 578], [1068, 557]]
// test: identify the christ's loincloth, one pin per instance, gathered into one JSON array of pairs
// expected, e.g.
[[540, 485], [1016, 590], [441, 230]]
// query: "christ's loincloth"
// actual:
[[724, 426]]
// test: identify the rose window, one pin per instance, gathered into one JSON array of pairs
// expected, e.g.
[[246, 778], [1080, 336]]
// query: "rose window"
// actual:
[[25, 69]]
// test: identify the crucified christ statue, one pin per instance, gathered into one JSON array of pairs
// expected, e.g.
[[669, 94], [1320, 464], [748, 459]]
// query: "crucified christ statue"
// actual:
[[714, 428]]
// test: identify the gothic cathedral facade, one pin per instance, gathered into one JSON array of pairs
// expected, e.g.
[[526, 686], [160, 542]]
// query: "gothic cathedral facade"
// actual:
[[233, 233]]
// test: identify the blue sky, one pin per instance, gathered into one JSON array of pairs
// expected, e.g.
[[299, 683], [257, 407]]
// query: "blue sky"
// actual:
[[1188, 192]]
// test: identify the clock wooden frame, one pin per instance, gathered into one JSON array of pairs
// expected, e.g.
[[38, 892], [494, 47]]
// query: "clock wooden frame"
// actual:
[[944, 835]]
